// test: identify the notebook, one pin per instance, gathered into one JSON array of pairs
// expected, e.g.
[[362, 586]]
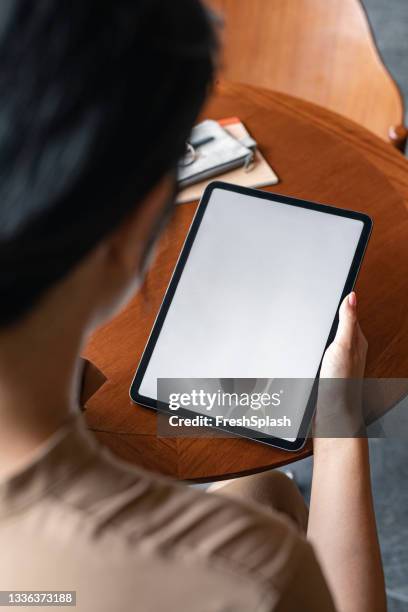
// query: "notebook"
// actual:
[[258, 174], [211, 151]]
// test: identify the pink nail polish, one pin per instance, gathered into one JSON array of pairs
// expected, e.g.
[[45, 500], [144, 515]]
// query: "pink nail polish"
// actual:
[[352, 298]]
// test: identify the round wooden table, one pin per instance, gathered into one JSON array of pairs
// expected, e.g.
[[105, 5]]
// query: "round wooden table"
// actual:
[[317, 155]]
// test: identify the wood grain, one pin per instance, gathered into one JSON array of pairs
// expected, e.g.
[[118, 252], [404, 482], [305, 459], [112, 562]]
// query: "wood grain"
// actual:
[[318, 155], [319, 50]]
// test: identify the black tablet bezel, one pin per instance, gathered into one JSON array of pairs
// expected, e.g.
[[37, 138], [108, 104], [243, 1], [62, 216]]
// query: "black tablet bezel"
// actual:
[[178, 270]]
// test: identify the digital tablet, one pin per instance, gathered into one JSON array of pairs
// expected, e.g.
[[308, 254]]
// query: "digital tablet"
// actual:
[[249, 311]]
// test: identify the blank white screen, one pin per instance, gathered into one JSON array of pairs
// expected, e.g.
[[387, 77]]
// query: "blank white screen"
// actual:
[[258, 294]]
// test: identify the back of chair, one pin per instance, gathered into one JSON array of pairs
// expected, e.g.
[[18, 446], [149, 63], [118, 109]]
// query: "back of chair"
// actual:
[[319, 50]]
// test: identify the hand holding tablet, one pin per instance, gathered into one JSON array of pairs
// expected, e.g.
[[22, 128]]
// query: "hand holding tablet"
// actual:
[[254, 295]]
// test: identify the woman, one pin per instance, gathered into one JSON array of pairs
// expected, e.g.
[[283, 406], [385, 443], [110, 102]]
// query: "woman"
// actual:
[[97, 100]]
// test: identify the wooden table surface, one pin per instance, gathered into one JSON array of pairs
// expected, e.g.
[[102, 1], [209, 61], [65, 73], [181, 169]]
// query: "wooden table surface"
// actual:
[[319, 156]]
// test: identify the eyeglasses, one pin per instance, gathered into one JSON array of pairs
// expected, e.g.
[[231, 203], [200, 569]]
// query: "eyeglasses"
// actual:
[[191, 153]]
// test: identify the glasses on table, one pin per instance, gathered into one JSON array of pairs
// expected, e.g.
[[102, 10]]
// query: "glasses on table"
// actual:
[[191, 153]]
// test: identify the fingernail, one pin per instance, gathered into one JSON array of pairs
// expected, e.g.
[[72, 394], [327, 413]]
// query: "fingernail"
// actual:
[[352, 298]]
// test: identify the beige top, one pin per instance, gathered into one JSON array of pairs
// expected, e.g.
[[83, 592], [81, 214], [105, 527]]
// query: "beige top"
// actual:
[[76, 518]]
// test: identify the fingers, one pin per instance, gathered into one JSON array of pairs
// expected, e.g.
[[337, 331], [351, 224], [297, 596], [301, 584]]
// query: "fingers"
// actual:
[[346, 356], [347, 320]]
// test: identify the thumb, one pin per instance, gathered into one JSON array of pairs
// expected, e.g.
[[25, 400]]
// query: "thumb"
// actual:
[[347, 320]]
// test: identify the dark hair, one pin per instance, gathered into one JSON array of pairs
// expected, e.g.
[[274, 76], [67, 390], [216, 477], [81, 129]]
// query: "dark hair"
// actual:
[[97, 98]]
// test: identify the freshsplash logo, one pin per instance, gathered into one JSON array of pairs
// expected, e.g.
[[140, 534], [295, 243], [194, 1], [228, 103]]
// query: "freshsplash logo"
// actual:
[[199, 398]]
